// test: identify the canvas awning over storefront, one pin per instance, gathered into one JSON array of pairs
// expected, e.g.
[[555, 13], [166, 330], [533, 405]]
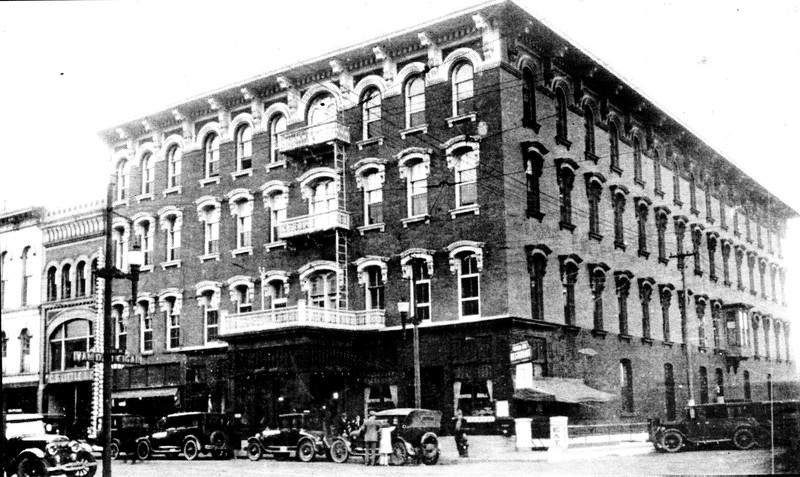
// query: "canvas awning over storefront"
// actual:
[[145, 393], [561, 390]]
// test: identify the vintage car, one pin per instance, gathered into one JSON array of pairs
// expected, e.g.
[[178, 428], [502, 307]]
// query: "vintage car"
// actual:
[[125, 430], [30, 451], [190, 434], [414, 437], [300, 435], [706, 424]]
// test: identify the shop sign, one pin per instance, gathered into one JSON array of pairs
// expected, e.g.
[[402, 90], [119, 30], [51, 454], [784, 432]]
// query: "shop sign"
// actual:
[[520, 352], [96, 357], [70, 376]]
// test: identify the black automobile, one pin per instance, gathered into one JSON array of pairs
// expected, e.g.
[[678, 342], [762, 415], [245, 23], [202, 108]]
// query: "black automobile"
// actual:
[[414, 437], [30, 451], [125, 430], [190, 434], [300, 435], [707, 424]]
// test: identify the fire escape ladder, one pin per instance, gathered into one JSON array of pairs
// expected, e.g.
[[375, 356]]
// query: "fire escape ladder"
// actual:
[[341, 234]]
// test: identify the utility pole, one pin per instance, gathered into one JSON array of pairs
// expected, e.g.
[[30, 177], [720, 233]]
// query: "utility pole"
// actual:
[[404, 308], [107, 375], [685, 323]]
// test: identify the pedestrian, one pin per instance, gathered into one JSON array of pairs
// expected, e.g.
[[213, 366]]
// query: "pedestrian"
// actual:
[[459, 428], [128, 447], [371, 428], [385, 446]]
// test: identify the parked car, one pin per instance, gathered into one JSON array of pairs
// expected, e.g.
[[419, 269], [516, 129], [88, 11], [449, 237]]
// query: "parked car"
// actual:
[[190, 434], [415, 437], [30, 451], [125, 430], [300, 435], [706, 424]]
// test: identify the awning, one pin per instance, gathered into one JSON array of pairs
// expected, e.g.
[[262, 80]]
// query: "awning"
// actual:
[[145, 393], [561, 390]]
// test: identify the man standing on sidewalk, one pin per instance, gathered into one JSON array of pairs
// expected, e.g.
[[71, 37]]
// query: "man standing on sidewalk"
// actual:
[[371, 429]]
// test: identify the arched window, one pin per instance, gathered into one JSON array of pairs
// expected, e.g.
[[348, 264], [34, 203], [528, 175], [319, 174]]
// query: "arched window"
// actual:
[[374, 288], [626, 384], [210, 215], [27, 277], [623, 288], [66, 282], [119, 238], [566, 180], [597, 281], [720, 383], [324, 197], [276, 126], [145, 313], [244, 147], [528, 98], [277, 213], [172, 224], [641, 223], [74, 335], [669, 391], [469, 284], [371, 114], [275, 295], [93, 277], [52, 290], [120, 327], [123, 178], [80, 279], [242, 298], [415, 102], [561, 114], [421, 288], [171, 308], [322, 289], [637, 161], [242, 210], [657, 173], [211, 154], [537, 266], [148, 173], [466, 168], [666, 299], [373, 197], [463, 89], [594, 191], [3, 279], [25, 351], [569, 276], [703, 385], [174, 154], [645, 292], [144, 235], [418, 189], [208, 300], [322, 110], [619, 217], [588, 122], [613, 146]]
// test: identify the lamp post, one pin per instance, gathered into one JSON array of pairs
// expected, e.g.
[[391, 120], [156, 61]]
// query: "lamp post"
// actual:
[[108, 273], [685, 321], [403, 307]]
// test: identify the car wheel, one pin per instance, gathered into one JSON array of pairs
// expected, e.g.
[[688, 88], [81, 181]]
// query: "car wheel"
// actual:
[[31, 467], [306, 451], [191, 448], [429, 453], [672, 441], [744, 439], [399, 453], [143, 450], [88, 459], [254, 451], [113, 448], [218, 438], [338, 452]]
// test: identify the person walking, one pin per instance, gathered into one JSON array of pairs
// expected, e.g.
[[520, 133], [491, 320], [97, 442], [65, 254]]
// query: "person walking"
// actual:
[[371, 429], [385, 446], [459, 428]]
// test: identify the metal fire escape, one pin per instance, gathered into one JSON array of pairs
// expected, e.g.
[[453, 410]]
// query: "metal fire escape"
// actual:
[[341, 234]]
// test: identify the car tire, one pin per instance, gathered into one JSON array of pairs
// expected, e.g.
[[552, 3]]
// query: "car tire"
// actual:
[[254, 451], [91, 465], [191, 448], [429, 452], [218, 439], [113, 448], [672, 441], [399, 453], [306, 451], [31, 467], [338, 452], [744, 439], [143, 450]]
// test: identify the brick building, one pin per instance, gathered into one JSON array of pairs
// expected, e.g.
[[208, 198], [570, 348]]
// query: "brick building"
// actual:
[[512, 189]]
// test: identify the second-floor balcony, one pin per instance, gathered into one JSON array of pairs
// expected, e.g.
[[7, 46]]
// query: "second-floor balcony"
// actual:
[[314, 135], [313, 223], [301, 315]]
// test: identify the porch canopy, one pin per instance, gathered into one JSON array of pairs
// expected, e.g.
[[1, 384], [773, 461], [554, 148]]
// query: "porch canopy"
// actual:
[[561, 390]]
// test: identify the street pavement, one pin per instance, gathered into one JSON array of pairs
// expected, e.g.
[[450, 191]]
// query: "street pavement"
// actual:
[[713, 461]]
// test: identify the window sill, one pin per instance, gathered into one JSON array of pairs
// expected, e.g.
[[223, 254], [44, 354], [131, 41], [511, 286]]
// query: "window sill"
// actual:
[[595, 236], [644, 254], [713, 278], [209, 181], [736, 233], [668, 344], [640, 182], [566, 226], [531, 125], [143, 197], [660, 193], [534, 215], [698, 273], [724, 227], [415, 130], [727, 283], [663, 260], [274, 245], [242, 251], [616, 169], [381, 227], [740, 288], [119, 203], [242, 173], [172, 190], [648, 341], [590, 156], [599, 333], [464, 117], [709, 219], [146, 268], [678, 202], [625, 337], [275, 165], [572, 329], [368, 142], [171, 264], [753, 292], [562, 141], [173, 350], [695, 212], [419, 218], [467, 209], [620, 244], [147, 353], [209, 256], [209, 345]]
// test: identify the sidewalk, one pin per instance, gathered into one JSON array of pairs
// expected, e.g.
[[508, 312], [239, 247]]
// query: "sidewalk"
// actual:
[[498, 448]]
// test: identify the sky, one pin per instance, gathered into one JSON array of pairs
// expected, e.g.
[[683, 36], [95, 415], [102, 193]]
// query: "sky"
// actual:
[[69, 69]]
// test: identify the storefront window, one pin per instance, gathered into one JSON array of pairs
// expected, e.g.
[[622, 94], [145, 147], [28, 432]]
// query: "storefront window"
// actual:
[[75, 335]]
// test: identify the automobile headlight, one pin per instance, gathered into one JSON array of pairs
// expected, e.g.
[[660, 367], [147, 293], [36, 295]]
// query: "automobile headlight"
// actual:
[[74, 446], [51, 449]]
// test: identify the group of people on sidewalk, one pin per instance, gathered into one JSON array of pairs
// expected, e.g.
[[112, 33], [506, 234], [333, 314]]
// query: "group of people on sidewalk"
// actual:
[[377, 440]]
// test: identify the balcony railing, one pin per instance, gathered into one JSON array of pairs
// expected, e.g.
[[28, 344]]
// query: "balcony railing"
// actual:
[[313, 135], [301, 315], [309, 224]]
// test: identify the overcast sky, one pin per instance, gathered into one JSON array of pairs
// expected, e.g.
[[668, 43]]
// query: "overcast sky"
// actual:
[[726, 69]]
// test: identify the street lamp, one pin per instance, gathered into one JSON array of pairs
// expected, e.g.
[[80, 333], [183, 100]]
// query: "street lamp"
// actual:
[[109, 272], [403, 307]]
